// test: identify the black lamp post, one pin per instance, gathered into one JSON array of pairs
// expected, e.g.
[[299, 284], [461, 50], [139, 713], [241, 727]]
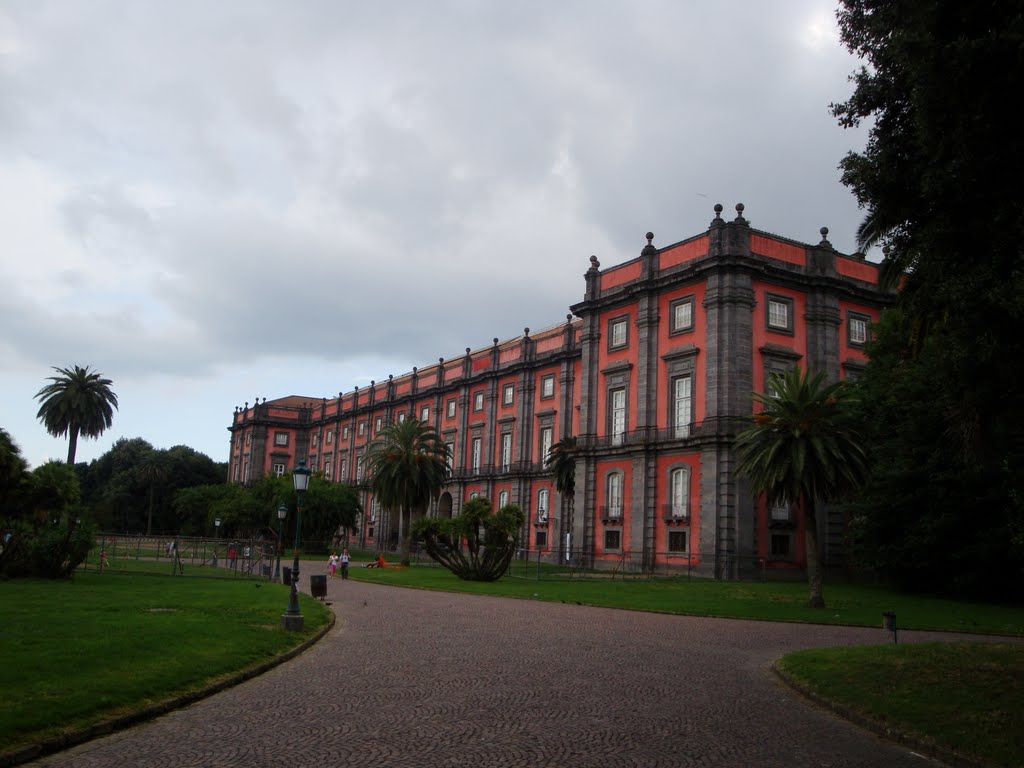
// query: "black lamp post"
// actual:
[[282, 513], [292, 618]]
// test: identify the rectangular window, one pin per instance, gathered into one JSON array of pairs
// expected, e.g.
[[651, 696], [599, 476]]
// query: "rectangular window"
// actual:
[[248, 438], [478, 401], [677, 541], [344, 432], [369, 532], [681, 314], [541, 538], [330, 436], [343, 469], [316, 439], [362, 428], [780, 545], [451, 408], [245, 471], [425, 413], [237, 469], [506, 451], [502, 499], [327, 469], [545, 443], [359, 470], [780, 513], [682, 402], [680, 481], [618, 332], [279, 470], [401, 417], [507, 393], [280, 438], [547, 386], [377, 425], [451, 455], [615, 495], [477, 443], [857, 329], [617, 415], [780, 313], [613, 539]]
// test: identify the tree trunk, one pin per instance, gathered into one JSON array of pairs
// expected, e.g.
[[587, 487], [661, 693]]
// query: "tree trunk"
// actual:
[[72, 444], [149, 517], [816, 598], [404, 536]]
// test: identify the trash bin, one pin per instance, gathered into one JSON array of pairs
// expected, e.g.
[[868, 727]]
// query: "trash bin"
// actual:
[[318, 586], [286, 575]]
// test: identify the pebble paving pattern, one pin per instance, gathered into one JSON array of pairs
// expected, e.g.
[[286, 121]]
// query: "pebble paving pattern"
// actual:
[[413, 678]]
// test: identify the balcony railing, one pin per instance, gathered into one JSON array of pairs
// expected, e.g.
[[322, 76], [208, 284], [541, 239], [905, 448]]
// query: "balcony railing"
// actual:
[[675, 514], [541, 518], [611, 514], [646, 435]]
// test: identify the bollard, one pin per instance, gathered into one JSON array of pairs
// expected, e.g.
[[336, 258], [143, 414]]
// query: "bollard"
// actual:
[[889, 623]]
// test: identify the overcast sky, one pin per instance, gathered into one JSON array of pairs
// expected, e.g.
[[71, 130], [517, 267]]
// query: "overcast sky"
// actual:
[[214, 202]]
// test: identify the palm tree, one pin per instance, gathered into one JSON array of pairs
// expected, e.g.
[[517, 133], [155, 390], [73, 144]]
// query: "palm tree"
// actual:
[[562, 461], [152, 471], [407, 466], [78, 401], [802, 448]]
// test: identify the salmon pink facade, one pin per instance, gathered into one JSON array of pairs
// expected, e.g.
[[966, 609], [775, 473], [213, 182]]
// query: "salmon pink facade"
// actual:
[[652, 372]]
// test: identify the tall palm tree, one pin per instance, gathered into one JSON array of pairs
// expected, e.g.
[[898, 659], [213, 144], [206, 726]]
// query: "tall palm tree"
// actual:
[[562, 461], [78, 401], [152, 471], [407, 465], [802, 448]]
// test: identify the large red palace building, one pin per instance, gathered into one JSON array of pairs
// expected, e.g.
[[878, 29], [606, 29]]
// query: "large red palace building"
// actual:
[[653, 372]]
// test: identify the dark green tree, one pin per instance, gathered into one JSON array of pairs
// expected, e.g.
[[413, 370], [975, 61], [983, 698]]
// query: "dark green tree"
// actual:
[[562, 462], [939, 182], [152, 472], [76, 402], [803, 448], [475, 545], [13, 474], [327, 509], [407, 466]]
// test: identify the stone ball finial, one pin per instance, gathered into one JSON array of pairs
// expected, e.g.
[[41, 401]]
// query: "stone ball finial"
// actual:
[[568, 318], [740, 208], [650, 237], [594, 262], [718, 210], [372, 382], [526, 331], [440, 360], [414, 369], [495, 341], [467, 350], [824, 232], [391, 377]]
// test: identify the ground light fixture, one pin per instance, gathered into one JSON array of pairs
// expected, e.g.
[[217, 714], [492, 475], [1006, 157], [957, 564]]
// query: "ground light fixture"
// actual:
[[282, 513], [291, 619]]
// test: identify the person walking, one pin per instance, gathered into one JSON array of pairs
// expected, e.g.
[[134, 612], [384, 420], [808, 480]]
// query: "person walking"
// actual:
[[332, 563], [344, 563]]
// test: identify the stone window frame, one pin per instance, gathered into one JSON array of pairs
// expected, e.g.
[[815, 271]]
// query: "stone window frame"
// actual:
[[478, 401], [330, 436], [508, 394], [540, 538], [547, 386], [401, 417], [676, 533], [277, 468], [681, 362], [613, 323], [425, 413], [673, 329], [378, 425], [670, 516], [450, 406], [316, 439], [328, 461], [778, 298], [503, 493], [776, 359], [543, 512], [505, 438], [362, 428], [344, 432], [851, 316], [780, 536], [281, 439], [607, 495], [616, 378], [248, 438], [613, 540]]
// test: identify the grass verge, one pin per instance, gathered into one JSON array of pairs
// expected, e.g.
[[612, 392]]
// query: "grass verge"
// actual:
[[78, 652], [965, 697], [852, 605]]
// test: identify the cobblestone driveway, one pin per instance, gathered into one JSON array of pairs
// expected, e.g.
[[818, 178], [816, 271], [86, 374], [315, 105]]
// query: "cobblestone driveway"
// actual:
[[412, 678]]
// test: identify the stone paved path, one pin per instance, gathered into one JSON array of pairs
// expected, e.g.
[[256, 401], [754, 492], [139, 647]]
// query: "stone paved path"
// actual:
[[411, 678]]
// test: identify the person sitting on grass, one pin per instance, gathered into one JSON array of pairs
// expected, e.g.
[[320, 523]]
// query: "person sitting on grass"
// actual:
[[378, 563]]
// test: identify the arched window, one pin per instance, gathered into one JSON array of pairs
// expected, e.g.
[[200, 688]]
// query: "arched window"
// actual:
[[502, 499], [614, 495], [542, 505], [679, 489]]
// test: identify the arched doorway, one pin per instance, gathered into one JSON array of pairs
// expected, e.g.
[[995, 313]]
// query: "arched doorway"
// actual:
[[444, 505]]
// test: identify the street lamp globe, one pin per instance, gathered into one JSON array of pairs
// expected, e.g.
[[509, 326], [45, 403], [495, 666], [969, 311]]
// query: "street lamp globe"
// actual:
[[282, 513]]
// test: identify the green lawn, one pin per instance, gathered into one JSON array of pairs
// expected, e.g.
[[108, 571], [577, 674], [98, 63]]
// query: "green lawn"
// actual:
[[75, 652], [848, 604], [968, 697]]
